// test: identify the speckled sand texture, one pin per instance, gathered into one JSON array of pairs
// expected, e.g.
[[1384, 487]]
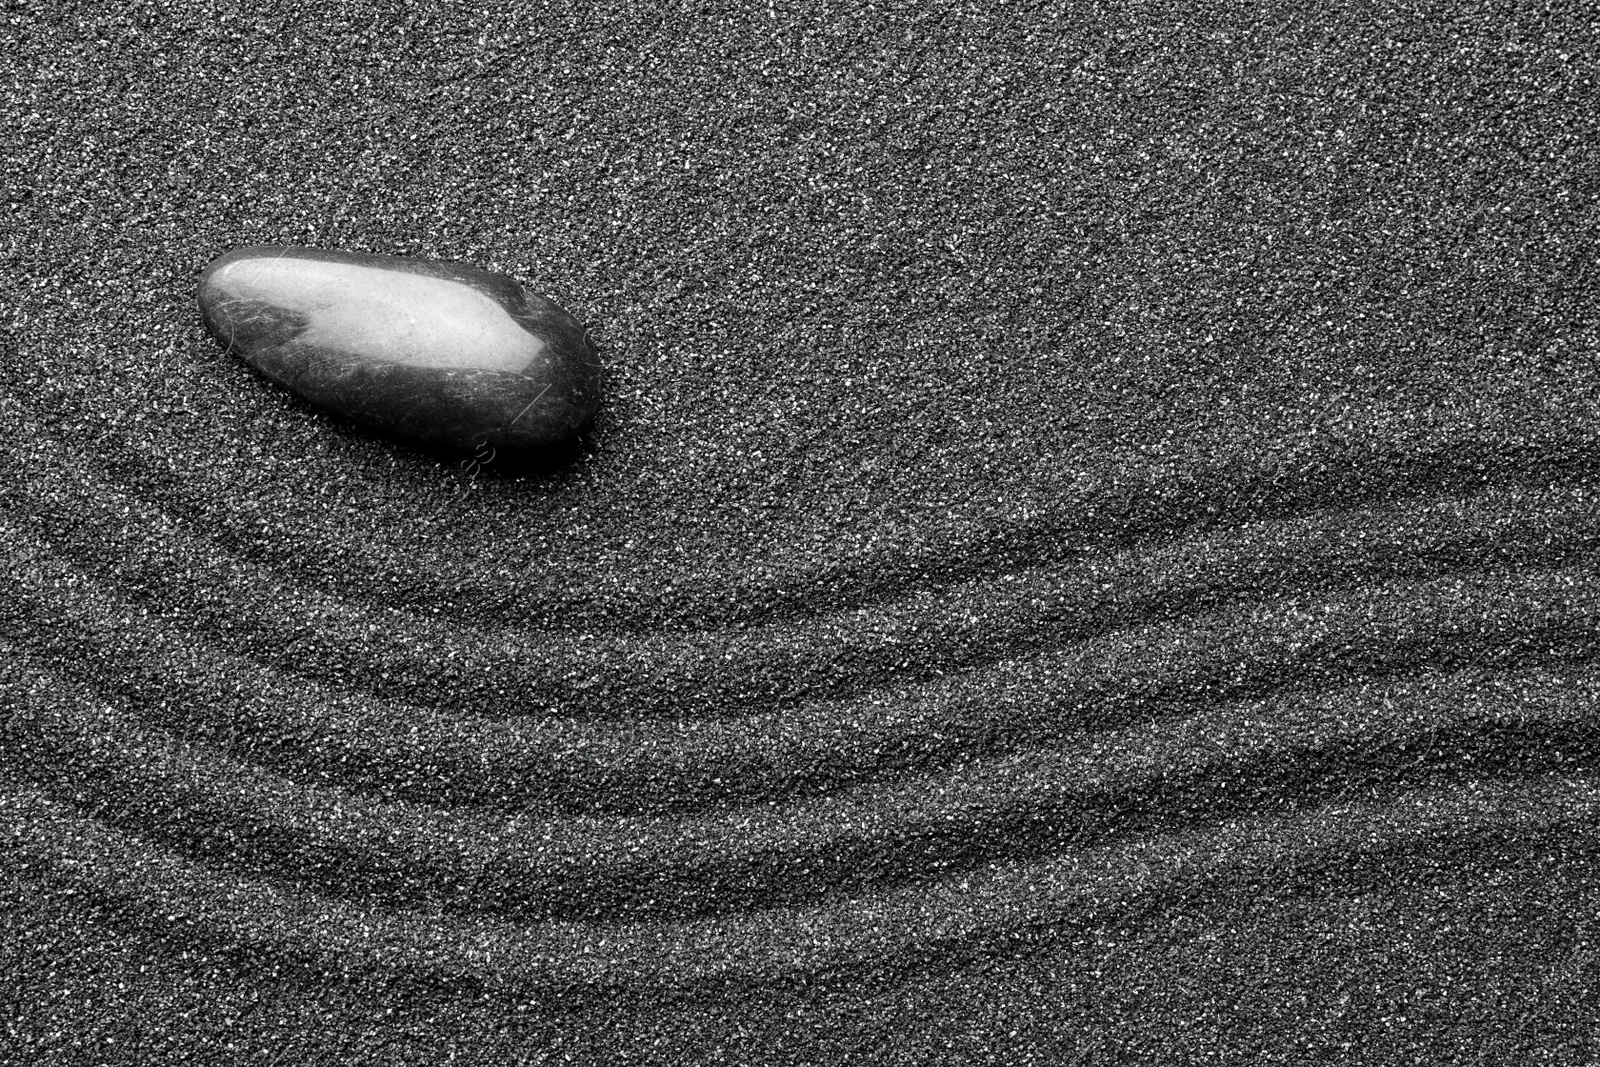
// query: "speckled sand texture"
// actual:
[[1088, 553]]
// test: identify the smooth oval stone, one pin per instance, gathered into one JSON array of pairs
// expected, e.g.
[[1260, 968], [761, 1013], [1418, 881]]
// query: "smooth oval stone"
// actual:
[[445, 355]]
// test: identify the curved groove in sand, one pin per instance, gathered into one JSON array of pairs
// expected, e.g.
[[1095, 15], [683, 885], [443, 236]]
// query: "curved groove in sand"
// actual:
[[1050, 727]]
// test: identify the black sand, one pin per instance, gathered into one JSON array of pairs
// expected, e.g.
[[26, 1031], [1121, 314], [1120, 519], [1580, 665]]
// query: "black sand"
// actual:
[[1088, 554]]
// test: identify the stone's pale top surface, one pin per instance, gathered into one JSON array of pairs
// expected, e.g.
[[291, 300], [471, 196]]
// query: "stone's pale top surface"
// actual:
[[445, 355], [374, 313]]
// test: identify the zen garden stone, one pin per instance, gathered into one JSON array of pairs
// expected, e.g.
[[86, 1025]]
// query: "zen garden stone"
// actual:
[[447, 356]]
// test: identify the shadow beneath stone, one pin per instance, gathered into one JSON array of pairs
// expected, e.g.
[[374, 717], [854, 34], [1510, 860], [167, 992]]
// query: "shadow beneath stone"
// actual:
[[487, 465], [541, 463]]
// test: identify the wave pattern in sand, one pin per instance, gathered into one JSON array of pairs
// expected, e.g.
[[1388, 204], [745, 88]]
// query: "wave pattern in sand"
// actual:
[[1125, 710]]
